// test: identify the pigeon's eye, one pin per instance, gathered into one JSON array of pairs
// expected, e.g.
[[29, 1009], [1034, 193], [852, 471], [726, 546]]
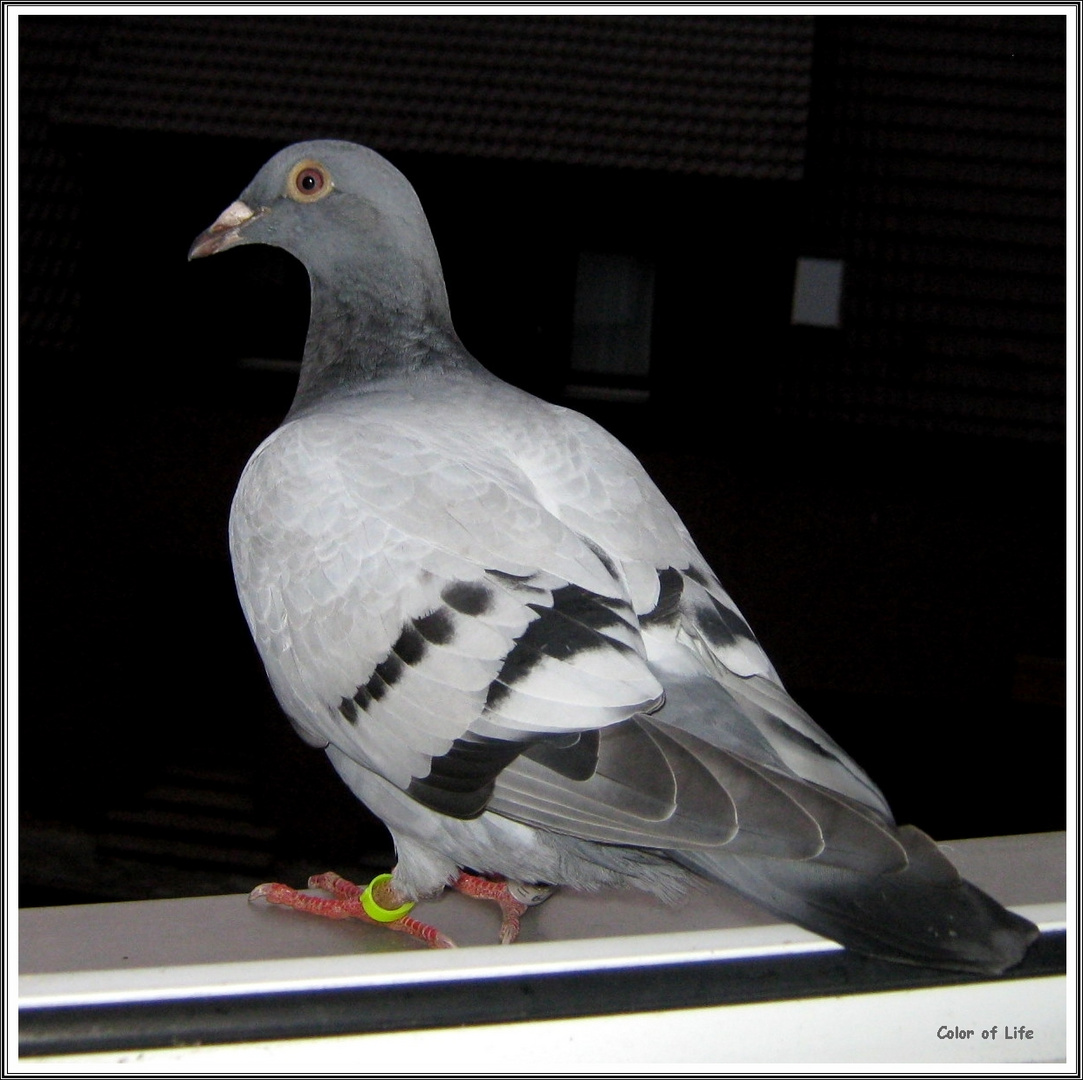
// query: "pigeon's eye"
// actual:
[[308, 181]]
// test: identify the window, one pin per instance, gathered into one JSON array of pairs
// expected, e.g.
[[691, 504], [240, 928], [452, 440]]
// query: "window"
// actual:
[[611, 334], [817, 292]]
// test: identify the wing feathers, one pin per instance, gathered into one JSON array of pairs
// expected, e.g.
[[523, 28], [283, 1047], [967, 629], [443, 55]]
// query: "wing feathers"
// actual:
[[634, 796], [487, 641]]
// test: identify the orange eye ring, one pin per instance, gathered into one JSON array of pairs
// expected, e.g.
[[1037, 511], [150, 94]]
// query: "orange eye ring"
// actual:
[[308, 182]]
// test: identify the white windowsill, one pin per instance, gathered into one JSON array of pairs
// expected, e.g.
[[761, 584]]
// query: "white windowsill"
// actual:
[[110, 956]]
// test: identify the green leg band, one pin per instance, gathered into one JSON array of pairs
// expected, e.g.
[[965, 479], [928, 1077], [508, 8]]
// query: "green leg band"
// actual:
[[381, 914]]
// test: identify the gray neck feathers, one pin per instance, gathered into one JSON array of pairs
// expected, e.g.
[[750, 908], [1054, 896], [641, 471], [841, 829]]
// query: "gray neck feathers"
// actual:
[[365, 329]]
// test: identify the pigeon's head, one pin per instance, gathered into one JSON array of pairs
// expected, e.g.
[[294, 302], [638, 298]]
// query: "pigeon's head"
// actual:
[[338, 207]]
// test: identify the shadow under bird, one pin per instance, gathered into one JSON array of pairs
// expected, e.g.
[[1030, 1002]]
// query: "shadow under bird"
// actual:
[[503, 635]]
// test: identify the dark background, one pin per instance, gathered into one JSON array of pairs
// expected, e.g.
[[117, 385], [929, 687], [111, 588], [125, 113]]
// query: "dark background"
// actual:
[[886, 499]]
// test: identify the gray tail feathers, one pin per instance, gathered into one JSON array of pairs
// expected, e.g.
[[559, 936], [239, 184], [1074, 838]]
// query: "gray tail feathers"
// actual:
[[924, 914]]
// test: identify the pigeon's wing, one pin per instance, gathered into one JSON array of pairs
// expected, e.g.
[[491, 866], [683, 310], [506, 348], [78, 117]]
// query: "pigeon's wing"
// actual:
[[492, 626], [719, 683], [725, 763], [422, 612]]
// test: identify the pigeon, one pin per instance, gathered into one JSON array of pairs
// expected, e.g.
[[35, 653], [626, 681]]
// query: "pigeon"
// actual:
[[505, 638]]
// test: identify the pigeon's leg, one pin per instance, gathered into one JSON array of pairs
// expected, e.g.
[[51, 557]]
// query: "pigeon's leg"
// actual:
[[513, 897], [347, 905]]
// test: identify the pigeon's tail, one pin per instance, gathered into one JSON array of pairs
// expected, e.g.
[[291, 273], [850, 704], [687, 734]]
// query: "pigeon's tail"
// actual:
[[923, 914]]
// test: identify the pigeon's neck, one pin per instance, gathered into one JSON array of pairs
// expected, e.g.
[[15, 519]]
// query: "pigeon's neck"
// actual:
[[360, 337]]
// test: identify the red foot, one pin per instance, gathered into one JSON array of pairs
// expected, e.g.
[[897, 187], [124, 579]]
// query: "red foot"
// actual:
[[514, 899], [346, 906]]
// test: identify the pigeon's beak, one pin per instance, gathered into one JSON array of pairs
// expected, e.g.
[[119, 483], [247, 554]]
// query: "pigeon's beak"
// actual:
[[226, 231]]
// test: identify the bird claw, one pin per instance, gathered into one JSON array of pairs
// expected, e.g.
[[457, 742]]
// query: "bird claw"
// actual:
[[346, 904], [514, 898]]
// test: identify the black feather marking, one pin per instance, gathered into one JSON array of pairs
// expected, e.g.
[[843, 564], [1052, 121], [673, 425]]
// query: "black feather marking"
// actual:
[[410, 647], [509, 579], [720, 625], [461, 781], [670, 588], [697, 576], [573, 756], [438, 628], [590, 609], [498, 690], [517, 583], [375, 688], [604, 559], [573, 624], [468, 597], [389, 670], [349, 710]]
